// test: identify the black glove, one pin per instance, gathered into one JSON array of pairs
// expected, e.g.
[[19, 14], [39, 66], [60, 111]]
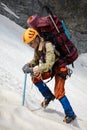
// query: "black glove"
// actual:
[[27, 69]]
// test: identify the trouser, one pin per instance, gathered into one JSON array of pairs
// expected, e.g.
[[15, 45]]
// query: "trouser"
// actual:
[[44, 90], [59, 90], [42, 87]]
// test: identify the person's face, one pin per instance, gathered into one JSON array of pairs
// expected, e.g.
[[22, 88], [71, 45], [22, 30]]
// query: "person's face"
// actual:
[[34, 44]]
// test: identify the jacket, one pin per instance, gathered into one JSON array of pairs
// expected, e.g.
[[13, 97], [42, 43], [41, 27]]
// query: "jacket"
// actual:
[[44, 57]]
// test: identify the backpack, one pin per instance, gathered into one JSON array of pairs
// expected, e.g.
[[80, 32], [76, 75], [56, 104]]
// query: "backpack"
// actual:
[[58, 36]]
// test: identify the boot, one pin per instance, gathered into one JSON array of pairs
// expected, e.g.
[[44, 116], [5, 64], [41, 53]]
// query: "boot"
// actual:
[[45, 91], [68, 119], [45, 103]]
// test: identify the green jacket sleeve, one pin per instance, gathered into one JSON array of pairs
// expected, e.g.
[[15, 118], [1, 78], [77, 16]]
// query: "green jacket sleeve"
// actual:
[[34, 61]]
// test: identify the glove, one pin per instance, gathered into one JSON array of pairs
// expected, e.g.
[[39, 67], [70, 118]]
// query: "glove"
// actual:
[[27, 69]]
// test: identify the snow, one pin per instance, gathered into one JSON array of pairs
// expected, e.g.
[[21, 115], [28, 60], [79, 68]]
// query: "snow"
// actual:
[[13, 116]]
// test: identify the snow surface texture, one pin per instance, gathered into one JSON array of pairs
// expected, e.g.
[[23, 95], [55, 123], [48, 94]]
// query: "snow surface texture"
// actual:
[[13, 116]]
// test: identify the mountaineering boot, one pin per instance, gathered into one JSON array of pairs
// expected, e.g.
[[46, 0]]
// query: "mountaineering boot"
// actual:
[[68, 119], [45, 91], [47, 101], [70, 115]]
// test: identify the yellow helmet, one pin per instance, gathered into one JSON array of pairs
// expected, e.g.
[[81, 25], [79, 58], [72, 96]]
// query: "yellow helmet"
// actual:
[[29, 35]]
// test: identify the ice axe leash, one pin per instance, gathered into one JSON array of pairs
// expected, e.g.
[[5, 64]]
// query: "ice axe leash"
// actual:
[[25, 80]]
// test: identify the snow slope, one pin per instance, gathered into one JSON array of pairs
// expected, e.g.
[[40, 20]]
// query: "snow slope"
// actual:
[[13, 116]]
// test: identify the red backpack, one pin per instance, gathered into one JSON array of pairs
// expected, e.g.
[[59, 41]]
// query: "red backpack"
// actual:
[[56, 35]]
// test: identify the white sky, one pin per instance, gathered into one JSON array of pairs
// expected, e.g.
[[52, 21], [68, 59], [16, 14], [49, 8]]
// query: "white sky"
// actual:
[[13, 116]]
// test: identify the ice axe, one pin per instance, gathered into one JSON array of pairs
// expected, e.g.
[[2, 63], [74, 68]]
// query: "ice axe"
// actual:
[[25, 80], [29, 70]]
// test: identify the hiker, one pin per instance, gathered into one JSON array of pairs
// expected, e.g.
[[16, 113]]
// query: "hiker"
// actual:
[[45, 65]]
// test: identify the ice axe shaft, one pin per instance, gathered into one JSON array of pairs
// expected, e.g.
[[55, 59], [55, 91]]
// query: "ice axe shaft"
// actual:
[[51, 17], [25, 80], [54, 23]]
